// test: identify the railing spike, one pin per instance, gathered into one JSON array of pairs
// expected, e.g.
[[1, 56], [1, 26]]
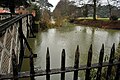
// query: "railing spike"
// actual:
[[77, 48], [113, 47], [47, 51], [63, 65], [100, 63], [110, 62], [47, 65], [63, 52], [91, 46], [76, 64], [87, 76]]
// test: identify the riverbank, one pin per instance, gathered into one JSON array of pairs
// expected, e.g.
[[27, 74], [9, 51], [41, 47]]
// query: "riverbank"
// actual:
[[106, 24]]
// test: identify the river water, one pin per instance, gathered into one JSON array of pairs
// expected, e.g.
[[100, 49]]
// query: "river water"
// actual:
[[68, 38]]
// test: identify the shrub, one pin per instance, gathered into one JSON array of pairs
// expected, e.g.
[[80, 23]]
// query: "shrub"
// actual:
[[113, 18]]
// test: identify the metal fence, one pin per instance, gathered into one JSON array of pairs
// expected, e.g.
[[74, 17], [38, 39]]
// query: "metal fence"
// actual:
[[63, 70], [11, 42], [4, 16]]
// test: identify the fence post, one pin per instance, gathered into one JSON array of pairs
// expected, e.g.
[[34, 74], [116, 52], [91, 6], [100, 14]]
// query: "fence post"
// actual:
[[27, 24], [47, 65], [76, 64], [14, 65], [21, 45], [110, 62], [31, 26], [117, 77], [63, 65], [87, 77], [32, 72], [100, 63]]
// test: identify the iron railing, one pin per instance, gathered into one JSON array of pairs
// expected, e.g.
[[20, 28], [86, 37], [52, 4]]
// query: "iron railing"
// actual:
[[88, 67], [12, 44], [4, 16]]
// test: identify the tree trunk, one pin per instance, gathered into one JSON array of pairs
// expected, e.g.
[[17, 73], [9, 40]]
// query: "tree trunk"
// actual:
[[12, 6], [12, 9], [94, 8], [110, 11], [110, 8]]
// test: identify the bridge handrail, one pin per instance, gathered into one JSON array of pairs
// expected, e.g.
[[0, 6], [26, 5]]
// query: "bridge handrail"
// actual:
[[7, 24], [13, 34], [6, 15]]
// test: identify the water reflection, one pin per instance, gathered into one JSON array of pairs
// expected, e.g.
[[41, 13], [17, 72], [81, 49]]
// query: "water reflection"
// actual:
[[57, 39]]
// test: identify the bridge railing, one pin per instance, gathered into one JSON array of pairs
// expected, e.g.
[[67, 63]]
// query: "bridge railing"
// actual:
[[6, 15], [11, 43]]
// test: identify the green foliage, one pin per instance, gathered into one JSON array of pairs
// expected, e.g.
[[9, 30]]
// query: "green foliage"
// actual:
[[93, 74], [12, 4], [113, 18], [37, 11], [7, 3]]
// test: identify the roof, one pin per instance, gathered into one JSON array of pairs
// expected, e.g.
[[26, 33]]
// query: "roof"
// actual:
[[4, 11]]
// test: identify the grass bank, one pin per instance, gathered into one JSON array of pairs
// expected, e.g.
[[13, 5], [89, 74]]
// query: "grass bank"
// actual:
[[100, 23]]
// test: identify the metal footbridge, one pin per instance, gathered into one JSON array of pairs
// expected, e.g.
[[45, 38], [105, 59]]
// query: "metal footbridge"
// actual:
[[14, 31]]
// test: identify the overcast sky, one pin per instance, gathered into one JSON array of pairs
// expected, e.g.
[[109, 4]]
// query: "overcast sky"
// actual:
[[54, 3]]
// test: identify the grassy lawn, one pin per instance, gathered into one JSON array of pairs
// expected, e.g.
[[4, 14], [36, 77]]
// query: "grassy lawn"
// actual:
[[100, 22], [104, 19], [90, 18]]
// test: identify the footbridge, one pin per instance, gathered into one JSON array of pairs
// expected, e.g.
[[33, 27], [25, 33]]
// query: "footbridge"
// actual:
[[14, 31]]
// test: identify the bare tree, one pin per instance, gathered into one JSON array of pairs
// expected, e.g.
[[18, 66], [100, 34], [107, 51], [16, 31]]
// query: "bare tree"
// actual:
[[94, 8], [111, 4], [84, 3], [110, 7]]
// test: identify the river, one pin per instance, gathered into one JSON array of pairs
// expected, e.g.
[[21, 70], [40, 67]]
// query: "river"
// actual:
[[68, 38]]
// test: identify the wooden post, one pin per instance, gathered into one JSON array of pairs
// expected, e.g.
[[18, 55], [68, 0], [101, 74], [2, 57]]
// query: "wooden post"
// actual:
[[117, 77], [63, 65], [110, 62], [47, 65], [76, 64], [100, 63], [87, 77], [14, 65]]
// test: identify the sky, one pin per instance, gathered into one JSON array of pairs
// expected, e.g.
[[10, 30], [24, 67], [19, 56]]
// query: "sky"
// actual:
[[54, 3]]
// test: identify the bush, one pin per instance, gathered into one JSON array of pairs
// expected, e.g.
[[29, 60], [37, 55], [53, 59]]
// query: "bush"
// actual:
[[113, 18]]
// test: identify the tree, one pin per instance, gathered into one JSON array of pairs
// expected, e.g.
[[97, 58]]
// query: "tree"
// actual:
[[84, 3], [94, 8], [110, 7], [85, 11], [12, 4], [111, 4]]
